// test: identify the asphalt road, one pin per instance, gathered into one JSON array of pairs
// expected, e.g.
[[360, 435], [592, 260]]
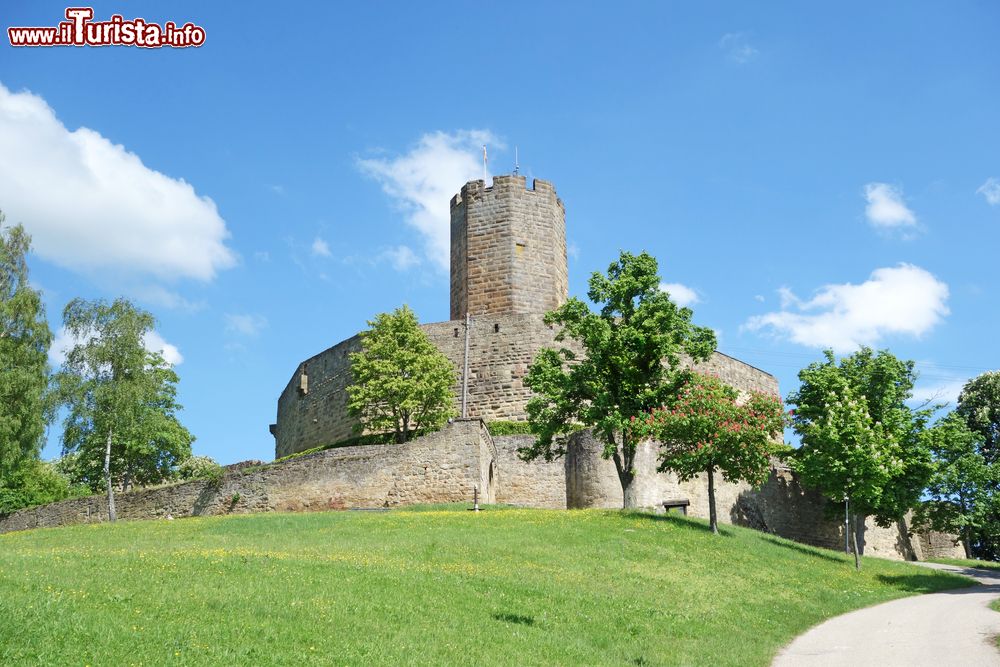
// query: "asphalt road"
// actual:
[[937, 630]]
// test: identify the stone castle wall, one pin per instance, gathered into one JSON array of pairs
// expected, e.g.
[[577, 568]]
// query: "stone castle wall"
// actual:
[[441, 467], [528, 484], [446, 466], [312, 410], [508, 248], [780, 506]]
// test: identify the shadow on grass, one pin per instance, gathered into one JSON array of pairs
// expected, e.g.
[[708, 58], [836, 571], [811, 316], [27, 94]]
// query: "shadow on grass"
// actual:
[[928, 583], [679, 520], [816, 552], [518, 619]]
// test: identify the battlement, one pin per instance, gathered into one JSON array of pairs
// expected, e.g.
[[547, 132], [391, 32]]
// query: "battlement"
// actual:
[[508, 248], [504, 182]]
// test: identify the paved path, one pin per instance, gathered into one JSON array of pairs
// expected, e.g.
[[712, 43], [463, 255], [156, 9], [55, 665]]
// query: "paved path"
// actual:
[[939, 629]]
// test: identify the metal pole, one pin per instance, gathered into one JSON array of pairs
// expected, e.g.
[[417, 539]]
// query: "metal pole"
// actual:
[[465, 370], [847, 529]]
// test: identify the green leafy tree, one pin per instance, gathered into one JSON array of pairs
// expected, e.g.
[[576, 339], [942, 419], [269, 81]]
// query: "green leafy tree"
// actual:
[[630, 363], [861, 443], [402, 383], [37, 482], [979, 404], [24, 343], [706, 428], [122, 412], [963, 499]]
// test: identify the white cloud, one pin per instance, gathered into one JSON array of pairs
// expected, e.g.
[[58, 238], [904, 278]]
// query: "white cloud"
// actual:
[[154, 342], [262, 256], [423, 181], [245, 325], [738, 48], [573, 250], [680, 294], [990, 190], [401, 257], [886, 209], [904, 299], [320, 248], [91, 205], [158, 295]]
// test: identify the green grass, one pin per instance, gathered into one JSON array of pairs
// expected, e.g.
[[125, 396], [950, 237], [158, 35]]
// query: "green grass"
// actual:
[[438, 586], [963, 562]]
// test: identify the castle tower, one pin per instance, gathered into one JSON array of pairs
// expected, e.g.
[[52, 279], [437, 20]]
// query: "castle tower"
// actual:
[[508, 248]]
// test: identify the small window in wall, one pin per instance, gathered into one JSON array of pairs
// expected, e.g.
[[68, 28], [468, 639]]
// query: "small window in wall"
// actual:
[[303, 384], [519, 249]]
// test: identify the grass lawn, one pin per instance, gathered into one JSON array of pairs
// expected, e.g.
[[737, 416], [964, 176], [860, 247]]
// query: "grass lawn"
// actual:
[[440, 586], [963, 562]]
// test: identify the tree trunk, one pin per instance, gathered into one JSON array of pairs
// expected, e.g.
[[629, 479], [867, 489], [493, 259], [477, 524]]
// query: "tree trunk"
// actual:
[[406, 427], [626, 476], [112, 515], [854, 542], [713, 520], [399, 433], [966, 531]]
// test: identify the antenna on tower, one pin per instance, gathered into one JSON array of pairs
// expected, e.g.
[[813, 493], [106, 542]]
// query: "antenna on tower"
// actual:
[[517, 166], [485, 161]]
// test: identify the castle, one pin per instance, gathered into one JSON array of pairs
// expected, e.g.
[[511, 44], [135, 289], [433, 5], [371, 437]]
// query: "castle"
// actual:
[[508, 267]]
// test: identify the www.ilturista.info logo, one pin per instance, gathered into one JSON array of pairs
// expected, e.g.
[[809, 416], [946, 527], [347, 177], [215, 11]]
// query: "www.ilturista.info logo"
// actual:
[[81, 30]]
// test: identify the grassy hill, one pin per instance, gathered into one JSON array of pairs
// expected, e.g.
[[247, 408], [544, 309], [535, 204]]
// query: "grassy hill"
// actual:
[[439, 586]]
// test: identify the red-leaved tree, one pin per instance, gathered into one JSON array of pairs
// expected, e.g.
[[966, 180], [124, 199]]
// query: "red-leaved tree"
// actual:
[[709, 428]]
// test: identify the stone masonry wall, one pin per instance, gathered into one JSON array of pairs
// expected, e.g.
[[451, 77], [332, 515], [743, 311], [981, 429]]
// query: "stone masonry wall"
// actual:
[[312, 410], [530, 484], [440, 467], [508, 248], [781, 506]]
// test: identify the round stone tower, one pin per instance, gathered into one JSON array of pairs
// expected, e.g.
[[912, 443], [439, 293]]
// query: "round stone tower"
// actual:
[[508, 248]]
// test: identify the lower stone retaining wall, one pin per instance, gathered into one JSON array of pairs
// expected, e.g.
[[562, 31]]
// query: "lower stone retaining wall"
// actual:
[[441, 467], [447, 465], [781, 506], [534, 484]]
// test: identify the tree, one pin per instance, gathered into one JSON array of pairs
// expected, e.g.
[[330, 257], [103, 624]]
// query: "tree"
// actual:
[[861, 443], [962, 489], [36, 482], [630, 364], [122, 418], [402, 383], [707, 428], [24, 343], [979, 404]]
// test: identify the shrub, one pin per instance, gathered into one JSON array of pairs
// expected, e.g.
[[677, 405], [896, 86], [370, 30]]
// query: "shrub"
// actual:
[[501, 427], [36, 483], [199, 467]]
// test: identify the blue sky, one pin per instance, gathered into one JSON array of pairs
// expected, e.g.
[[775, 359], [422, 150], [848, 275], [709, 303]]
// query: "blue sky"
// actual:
[[807, 176]]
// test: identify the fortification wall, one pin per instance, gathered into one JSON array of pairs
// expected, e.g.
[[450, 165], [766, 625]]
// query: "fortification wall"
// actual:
[[440, 467], [781, 506], [508, 248], [530, 484], [312, 410]]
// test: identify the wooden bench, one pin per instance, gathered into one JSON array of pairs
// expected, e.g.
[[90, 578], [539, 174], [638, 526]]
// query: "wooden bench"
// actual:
[[682, 503]]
